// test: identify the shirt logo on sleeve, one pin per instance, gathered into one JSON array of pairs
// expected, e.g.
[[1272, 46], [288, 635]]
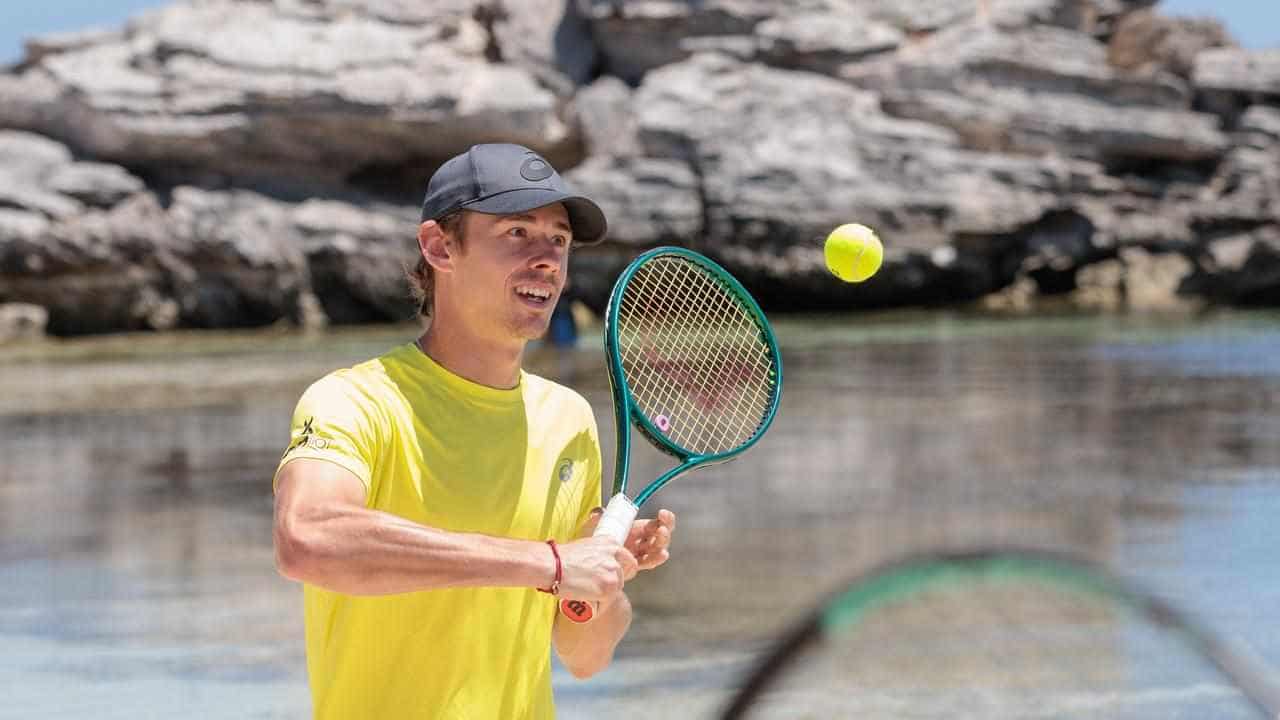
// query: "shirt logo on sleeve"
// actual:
[[308, 439]]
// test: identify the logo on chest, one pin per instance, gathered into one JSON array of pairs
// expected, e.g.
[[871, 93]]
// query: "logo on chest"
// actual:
[[564, 472]]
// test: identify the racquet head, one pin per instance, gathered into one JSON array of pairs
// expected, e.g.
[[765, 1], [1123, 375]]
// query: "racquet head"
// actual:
[[692, 358], [1001, 634]]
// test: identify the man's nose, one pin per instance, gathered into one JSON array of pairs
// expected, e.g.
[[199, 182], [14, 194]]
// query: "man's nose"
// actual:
[[548, 255]]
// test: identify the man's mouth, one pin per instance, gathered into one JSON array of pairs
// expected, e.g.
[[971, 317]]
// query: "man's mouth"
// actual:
[[537, 295]]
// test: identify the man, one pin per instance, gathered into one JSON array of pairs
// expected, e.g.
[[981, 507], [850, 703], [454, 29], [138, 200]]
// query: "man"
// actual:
[[429, 494]]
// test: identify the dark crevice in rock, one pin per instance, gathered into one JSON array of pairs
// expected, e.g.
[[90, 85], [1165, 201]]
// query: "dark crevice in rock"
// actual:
[[401, 182], [575, 47], [1049, 251], [488, 14], [1156, 176]]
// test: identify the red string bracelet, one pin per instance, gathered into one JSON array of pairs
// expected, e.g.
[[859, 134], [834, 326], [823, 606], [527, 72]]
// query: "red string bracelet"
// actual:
[[555, 584]]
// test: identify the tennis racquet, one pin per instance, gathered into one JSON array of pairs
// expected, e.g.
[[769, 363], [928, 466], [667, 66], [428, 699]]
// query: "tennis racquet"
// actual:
[[693, 364], [1002, 634]]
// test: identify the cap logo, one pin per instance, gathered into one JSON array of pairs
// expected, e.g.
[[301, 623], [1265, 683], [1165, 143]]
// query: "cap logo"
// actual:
[[535, 169]]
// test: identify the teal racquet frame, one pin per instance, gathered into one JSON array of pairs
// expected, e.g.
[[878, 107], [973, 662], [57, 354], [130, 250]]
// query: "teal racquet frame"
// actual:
[[625, 411], [621, 511], [897, 580]]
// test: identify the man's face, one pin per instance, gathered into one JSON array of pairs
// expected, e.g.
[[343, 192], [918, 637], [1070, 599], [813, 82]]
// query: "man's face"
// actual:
[[510, 270]]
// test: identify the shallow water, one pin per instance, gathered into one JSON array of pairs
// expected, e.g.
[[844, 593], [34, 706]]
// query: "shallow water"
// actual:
[[135, 499]]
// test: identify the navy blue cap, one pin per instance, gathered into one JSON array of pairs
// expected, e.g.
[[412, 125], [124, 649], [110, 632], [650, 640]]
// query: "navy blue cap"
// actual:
[[502, 179]]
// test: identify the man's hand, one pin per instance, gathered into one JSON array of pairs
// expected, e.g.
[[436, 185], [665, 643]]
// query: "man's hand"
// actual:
[[649, 539], [595, 568], [586, 649]]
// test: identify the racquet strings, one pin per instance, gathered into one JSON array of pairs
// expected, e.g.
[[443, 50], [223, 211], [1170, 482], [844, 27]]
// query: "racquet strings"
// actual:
[[694, 356], [1008, 641]]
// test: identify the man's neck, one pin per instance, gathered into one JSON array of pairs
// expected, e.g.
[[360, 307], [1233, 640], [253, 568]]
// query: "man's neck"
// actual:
[[470, 356]]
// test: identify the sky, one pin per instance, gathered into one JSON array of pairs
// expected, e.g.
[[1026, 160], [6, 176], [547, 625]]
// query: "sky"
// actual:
[[1253, 23]]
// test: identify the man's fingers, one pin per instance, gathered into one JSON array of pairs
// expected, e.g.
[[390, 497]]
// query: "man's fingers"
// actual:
[[655, 528], [659, 539], [667, 518], [653, 559], [650, 539], [593, 520]]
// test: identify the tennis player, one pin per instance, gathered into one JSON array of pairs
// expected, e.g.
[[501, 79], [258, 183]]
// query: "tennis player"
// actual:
[[428, 495]]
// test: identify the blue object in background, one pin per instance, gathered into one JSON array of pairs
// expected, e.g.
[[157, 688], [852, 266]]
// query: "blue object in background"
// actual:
[[563, 332]]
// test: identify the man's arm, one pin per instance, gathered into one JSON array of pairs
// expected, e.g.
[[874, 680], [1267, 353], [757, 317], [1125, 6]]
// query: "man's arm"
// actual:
[[587, 648], [325, 536]]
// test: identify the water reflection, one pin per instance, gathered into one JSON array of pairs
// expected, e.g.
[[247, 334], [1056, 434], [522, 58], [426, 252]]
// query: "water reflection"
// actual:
[[135, 499]]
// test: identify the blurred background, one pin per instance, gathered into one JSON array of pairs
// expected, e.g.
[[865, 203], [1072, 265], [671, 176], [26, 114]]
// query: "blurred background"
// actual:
[[1074, 342]]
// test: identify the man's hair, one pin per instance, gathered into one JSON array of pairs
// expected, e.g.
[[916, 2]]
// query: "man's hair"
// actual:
[[422, 281]]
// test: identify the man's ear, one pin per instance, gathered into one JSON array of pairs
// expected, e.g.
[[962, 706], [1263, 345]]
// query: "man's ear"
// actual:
[[435, 246]]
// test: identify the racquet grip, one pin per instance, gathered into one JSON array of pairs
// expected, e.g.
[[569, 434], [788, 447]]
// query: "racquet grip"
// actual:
[[615, 523], [617, 519]]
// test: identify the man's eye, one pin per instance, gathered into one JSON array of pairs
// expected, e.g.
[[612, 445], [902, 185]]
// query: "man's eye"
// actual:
[[518, 231], [561, 240]]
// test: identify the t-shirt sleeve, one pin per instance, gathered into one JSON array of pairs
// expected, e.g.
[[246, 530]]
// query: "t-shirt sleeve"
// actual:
[[337, 423]]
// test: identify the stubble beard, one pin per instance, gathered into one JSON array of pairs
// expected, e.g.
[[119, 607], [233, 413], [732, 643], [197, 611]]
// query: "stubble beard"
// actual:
[[528, 327]]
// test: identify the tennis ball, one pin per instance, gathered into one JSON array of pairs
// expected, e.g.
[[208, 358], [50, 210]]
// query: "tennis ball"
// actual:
[[853, 252]]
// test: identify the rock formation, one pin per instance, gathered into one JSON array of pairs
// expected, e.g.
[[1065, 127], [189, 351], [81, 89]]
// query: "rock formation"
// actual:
[[221, 163]]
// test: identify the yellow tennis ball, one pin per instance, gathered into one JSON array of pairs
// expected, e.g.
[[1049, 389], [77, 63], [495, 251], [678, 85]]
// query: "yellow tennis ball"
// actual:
[[853, 252]]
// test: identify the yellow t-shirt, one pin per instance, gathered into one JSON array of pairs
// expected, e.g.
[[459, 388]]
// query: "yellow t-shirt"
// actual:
[[445, 452]]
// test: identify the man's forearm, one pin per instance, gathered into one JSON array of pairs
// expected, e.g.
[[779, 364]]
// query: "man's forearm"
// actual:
[[586, 649], [358, 551]]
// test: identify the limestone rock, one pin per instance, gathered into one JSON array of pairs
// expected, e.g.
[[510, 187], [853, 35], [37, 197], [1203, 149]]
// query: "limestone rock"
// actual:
[[222, 163], [357, 259], [1229, 80], [1241, 270], [22, 321], [1146, 43], [1238, 70], [291, 95], [776, 176], [1043, 90]]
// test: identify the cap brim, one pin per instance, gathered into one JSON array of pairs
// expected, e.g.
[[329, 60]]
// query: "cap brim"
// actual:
[[585, 217]]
